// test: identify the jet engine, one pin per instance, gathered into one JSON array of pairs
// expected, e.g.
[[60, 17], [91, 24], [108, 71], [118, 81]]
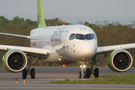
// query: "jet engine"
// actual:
[[14, 60], [120, 60]]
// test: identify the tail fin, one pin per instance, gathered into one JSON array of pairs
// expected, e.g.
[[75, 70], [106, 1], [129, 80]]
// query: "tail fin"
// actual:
[[41, 21]]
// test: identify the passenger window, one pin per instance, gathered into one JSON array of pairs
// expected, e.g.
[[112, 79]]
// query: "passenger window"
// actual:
[[72, 36]]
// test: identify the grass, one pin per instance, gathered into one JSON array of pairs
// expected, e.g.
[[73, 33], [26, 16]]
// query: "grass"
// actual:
[[103, 79]]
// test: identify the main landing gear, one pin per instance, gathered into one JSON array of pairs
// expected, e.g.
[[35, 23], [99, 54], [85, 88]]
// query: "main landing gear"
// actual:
[[89, 71], [27, 71]]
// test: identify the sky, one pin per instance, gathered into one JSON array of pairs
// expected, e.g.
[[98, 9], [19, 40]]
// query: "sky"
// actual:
[[72, 11]]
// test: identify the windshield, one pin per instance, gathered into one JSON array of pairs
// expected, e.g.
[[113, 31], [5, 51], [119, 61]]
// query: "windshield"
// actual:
[[90, 36], [72, 36], [82, 36]]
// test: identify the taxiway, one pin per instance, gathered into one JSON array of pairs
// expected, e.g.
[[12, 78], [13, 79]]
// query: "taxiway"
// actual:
[[47, 74]]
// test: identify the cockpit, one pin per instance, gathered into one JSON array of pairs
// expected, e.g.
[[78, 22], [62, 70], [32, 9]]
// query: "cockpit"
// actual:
[[82, 36]]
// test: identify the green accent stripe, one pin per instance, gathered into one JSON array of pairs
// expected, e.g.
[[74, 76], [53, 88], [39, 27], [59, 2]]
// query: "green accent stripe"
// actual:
[[41, 21]]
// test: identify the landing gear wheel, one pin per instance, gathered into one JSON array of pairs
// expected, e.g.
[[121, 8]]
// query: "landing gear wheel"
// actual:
[[88, 73], [24, 74], [84, 73], [96, 72], [32, 73], [80, 74]]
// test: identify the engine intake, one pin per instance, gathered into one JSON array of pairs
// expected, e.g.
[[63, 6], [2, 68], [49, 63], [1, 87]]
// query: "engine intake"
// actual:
[[120, 60], [14, 60]]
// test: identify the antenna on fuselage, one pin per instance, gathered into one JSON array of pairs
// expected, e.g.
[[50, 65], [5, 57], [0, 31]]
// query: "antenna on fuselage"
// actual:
[[40, 14]]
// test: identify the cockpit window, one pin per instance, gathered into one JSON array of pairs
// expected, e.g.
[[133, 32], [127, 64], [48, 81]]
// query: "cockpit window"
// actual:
[[89, 36], [72, 36], [82, 36]]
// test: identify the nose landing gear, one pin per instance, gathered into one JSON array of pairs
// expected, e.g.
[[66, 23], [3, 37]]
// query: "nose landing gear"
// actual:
[[90, 70], [82, 73], [82, 66]]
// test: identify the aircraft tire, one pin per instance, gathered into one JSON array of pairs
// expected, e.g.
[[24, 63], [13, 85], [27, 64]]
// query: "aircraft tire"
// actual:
[[80, 74], [24, 74], [84, 73], [88, 73], [32, 73], [96, 72]]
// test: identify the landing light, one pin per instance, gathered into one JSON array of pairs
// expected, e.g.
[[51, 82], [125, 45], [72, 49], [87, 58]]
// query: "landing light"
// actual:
[[59, 59], [82, 66]]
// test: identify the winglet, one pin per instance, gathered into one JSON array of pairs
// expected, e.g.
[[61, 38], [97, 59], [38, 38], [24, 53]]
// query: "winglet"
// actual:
[[41, 21]]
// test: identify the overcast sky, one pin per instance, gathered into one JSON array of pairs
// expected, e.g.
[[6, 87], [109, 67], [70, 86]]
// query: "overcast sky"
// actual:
[[72, 10]]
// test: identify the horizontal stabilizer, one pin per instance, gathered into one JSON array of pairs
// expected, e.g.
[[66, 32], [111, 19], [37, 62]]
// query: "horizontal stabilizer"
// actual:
[[15, 35]]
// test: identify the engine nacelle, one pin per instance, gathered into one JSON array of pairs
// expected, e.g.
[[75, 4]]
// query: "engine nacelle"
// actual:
[[120, 60], [14, 60]]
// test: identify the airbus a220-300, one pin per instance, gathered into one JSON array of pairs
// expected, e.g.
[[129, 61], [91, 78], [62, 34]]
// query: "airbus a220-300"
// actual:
[[64, 45]]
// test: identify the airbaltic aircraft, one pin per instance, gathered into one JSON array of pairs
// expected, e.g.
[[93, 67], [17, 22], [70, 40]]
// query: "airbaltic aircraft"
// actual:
[[64, 45]]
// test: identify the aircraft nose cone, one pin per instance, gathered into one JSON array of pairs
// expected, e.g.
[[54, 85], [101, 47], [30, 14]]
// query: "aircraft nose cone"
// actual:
[[86, 51]]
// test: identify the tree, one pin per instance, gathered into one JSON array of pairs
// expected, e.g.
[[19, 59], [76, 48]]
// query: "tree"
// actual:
[[3, 22], [86, 23], [18, 20]]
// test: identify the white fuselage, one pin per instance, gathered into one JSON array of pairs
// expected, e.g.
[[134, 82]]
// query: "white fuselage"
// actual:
[[66, 43]]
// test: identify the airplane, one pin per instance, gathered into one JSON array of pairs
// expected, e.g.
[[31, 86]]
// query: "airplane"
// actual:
[[64, 45]]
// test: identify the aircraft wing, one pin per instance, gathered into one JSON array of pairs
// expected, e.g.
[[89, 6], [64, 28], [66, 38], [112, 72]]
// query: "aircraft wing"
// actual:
[[16, 35], [114, 47], [29, 50]]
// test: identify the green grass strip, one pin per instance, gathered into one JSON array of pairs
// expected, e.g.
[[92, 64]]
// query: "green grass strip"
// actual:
[[103, 79]]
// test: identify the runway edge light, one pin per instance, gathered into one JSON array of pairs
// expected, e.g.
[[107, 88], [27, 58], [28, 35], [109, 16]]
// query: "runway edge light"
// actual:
[[24, 81], [16, 81]]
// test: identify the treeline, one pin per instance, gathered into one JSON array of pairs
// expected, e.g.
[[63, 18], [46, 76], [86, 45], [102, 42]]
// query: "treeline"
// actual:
[[108, 33]]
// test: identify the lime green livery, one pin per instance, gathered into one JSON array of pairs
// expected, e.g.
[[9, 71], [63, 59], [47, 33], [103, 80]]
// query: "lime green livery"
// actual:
[[41, 21]]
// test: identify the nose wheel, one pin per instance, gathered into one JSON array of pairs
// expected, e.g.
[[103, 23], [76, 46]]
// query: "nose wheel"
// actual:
[[89, 71], [80, 74]]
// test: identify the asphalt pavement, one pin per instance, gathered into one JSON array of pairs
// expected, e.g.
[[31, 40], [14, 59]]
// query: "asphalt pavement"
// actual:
[[47, 74]]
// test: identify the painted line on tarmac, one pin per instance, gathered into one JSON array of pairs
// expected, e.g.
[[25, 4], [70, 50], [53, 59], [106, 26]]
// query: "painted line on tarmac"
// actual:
[[78, 88], [4, 77]]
